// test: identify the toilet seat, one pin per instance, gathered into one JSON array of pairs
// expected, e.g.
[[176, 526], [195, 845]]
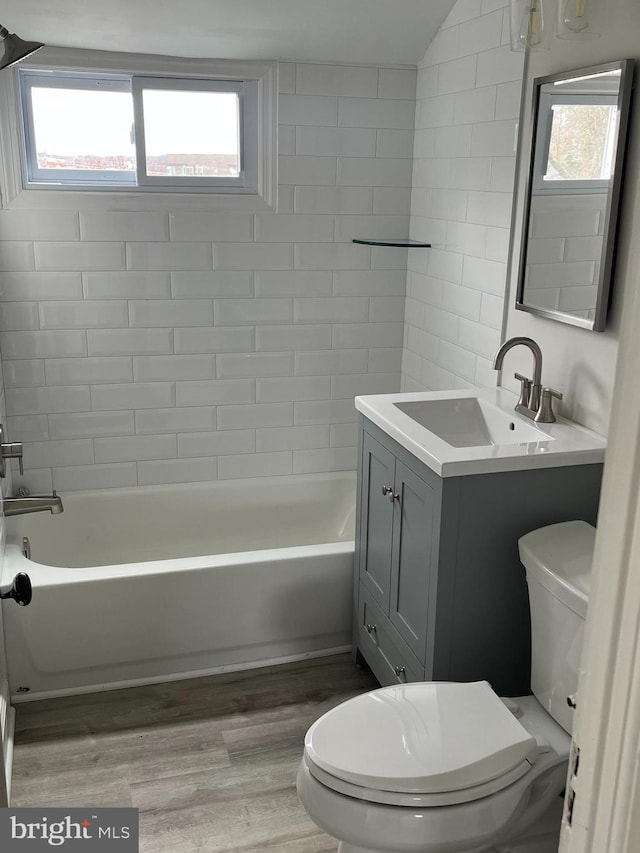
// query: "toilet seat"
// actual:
[[418, 801], [421, 744]]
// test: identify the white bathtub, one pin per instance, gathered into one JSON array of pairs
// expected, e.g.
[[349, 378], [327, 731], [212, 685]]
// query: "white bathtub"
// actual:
[[140, 585]]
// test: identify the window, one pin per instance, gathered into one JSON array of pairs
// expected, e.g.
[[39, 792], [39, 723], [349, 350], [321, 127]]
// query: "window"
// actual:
[[82, 128], [576, 143], [124, 131], [78, 129]]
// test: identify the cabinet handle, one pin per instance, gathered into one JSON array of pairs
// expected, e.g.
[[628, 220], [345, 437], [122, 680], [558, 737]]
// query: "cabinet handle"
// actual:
[[393, 496], [371, 629], [400, 671]]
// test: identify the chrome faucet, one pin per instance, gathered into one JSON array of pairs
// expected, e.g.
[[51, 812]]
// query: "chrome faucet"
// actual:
[[535, 402], [35, 503]]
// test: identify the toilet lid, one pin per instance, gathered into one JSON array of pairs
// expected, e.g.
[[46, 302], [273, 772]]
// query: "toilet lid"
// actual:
[[420, 738]]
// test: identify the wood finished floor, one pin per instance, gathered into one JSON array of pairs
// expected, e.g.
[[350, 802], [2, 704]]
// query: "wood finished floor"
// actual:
[[210, 762]]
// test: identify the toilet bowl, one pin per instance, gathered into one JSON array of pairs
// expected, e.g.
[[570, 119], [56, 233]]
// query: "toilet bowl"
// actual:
[[450, 767]]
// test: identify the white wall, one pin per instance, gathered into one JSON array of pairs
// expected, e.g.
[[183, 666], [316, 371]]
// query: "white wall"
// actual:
[[577, 362], [468, 101], [144, 348]]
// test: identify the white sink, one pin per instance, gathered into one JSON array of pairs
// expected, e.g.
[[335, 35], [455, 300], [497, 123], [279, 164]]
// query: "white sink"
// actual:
[[477, 431], [470, 422]]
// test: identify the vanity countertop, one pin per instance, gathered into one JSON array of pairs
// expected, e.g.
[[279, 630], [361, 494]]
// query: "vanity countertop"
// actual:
[[559, 444]]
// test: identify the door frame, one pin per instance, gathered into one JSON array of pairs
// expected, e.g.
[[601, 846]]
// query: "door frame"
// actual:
[[7, 712], [605, 816]]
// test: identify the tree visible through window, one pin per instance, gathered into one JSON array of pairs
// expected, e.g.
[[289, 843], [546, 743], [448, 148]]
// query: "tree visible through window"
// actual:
[[582, 142]]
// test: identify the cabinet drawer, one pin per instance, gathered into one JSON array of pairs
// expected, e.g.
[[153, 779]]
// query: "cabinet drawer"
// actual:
[[385, 651]]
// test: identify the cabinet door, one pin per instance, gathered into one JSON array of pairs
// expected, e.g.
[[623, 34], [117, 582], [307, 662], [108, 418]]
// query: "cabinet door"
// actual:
[[411, 563], [376, 520]]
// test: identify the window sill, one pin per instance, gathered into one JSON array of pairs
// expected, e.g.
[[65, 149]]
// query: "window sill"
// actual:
[[136, 201]]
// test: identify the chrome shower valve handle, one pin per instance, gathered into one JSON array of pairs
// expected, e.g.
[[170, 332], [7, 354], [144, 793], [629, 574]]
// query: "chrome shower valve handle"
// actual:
[[9, 450]]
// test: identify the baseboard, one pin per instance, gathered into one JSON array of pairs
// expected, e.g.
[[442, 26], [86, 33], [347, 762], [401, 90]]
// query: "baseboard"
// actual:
[[19, 698]]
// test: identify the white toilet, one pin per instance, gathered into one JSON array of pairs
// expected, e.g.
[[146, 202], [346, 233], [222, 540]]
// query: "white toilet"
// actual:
[[452, 768]]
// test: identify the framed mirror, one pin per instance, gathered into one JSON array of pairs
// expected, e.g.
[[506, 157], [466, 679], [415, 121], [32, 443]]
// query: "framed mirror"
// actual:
[[579, 130]]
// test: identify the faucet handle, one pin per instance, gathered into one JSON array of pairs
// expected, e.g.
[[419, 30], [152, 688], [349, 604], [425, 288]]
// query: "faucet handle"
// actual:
[[9, 450], [545, 414], [525, 390]]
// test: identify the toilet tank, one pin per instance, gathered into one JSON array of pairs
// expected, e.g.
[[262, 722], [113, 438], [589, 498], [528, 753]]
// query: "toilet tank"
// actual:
[[558, 561]]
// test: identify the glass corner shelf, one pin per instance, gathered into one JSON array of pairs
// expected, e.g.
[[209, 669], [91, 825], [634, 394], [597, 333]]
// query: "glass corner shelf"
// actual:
[[401, 244]]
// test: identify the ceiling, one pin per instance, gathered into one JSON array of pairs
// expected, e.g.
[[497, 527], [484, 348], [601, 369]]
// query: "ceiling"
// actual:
[[352, 31]]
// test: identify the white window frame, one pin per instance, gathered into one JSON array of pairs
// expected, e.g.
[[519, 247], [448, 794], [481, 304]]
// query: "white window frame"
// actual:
[[257, 82]]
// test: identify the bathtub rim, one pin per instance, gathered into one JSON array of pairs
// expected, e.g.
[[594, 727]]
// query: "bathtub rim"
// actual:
[[14, 532], [15, 557]]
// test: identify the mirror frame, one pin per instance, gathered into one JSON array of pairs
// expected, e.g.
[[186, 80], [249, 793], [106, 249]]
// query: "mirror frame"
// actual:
[[626, 67]]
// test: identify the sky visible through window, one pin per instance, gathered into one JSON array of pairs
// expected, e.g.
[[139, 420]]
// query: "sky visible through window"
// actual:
[[73, 124], [196, 132]]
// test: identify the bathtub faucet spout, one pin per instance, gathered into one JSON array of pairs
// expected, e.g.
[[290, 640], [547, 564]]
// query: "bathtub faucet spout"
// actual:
[[36, 503]]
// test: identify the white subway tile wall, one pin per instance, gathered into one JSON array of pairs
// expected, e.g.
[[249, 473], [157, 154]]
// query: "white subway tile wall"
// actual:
[[468, 99], [151, 347], [563, 253]]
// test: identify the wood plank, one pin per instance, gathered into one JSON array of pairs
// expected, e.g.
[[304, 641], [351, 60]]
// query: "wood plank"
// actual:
[[210, 762]]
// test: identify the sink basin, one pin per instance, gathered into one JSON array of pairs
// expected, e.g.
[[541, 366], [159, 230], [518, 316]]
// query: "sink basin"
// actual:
[[477, 431], [470, 422]]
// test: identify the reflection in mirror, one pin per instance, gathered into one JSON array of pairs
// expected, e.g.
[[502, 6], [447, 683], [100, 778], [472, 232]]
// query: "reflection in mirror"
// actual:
[[579, 129]]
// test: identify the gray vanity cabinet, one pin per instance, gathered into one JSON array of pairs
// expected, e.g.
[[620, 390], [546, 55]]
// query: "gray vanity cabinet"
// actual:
[[440, 593]]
